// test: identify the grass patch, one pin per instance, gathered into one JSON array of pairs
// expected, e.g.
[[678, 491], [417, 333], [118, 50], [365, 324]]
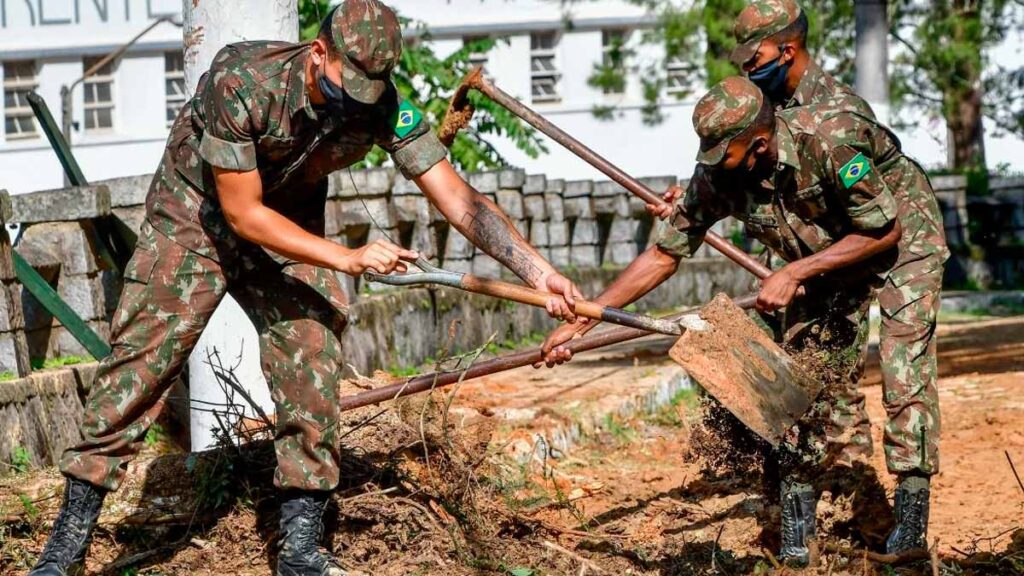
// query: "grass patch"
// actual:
[[7, 376], [59, 362], [684, 403]]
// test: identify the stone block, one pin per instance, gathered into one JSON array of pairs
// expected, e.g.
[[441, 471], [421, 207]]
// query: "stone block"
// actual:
[[535, 184], [405, 187], [63, 343], [559, 256], [128, 191], [8, 359], [585, 256], [660, 183], [514, 179], [511, 202], [579, 207], [484, 265], [577, 188], [457, 246], [608, 188], [584, 232], [535, 207], [555, 205], [620, 254], [558, 233], [333, 224], [412, 208], [618, 205], [5, 320], [84, 294], [459, 265], [390, 234], [623, 230], [62, 205], [523, 227], [539, 235], [555, 186], [361, 183], [484, 182], [374, 211]]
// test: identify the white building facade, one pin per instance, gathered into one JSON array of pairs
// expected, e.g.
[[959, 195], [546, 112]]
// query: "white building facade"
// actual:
[[545, 55]]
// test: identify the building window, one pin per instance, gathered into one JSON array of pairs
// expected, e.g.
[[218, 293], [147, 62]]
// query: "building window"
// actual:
[[19, 81], [543, 70], [99, 96], [613, 59], [476, 56], [174, 82], [676, 74]]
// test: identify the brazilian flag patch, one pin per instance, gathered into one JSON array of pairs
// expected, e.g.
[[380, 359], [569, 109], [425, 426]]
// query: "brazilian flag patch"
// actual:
[[854, 170], [406, 119]]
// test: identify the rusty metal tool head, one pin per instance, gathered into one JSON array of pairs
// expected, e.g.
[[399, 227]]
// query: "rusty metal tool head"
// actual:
[[460, 108]]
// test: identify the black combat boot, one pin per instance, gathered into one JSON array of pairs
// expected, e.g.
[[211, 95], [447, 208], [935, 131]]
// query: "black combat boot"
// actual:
[[301, 529], [911, 509], [64, 554], [799, 504]]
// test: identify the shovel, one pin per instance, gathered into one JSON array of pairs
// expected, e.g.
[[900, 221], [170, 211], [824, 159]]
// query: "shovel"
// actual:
[[729, 355]]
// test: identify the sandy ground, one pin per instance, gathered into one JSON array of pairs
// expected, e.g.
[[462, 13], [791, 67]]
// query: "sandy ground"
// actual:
[[631, 497]]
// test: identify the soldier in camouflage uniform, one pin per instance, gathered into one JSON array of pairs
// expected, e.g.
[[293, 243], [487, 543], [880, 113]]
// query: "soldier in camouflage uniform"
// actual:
[[237, 206], [771, 47], [829, 191]]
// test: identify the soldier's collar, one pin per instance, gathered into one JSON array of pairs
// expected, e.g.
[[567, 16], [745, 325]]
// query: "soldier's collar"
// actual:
[[788, 154], [298, 97], [804, 93]]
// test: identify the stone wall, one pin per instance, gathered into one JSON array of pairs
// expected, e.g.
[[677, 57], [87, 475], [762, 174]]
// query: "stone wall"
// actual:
[[578, 225]]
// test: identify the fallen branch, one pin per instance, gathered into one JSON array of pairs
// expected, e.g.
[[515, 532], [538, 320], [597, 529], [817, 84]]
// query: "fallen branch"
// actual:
[[1014, 469], [585, 564]]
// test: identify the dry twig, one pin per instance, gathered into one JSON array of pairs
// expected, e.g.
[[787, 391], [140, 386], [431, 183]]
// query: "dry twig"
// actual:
[[584, 563]]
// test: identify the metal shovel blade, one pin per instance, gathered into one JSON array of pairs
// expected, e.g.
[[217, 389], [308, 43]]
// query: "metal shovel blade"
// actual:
[[741, 367]]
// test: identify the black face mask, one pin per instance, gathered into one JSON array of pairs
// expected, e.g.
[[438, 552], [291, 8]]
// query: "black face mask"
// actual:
[[338, 102], [771, 78]]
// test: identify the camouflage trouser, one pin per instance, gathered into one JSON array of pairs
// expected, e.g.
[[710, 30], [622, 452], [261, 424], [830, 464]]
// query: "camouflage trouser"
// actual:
[[168, 298], [838, 325]]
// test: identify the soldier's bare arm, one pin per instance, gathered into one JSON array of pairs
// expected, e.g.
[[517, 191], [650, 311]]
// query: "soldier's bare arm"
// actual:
[[484, 224], [778, 290], [241, 199]]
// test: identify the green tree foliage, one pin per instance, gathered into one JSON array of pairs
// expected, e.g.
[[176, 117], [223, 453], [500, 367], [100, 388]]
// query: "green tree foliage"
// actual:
[[942, 63], [429, 80], [945, 68]]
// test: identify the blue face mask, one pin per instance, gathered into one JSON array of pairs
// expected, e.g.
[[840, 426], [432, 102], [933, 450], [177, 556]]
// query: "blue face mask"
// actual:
[[771, 78], [332, 93]]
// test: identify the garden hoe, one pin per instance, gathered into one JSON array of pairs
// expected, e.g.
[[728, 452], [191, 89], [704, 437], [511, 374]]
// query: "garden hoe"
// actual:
[[720, 347]]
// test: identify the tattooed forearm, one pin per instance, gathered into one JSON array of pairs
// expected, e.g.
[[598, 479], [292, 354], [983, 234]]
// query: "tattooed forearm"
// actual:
[[495, 235]]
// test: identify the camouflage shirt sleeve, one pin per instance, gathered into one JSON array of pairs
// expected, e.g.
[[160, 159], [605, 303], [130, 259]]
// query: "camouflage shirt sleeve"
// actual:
[[699, 208], [847, 148], [227, 140], [407, 136]]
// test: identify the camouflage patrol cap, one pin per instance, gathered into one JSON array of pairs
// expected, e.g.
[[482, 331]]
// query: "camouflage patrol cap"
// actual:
[[368, 37], [729, 108], [760, 20]]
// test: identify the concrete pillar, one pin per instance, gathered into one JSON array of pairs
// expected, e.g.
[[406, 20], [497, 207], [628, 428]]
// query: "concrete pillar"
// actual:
[[208, 26], [872, 57]]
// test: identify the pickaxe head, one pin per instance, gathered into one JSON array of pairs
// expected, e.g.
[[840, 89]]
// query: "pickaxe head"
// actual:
[[460, 109]]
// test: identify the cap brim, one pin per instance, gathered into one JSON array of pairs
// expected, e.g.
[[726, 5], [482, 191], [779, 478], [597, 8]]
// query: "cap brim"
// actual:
[[712, 156], [742, 53], [358, 85]]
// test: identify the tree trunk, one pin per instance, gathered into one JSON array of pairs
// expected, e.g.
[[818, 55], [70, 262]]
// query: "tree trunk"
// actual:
[[209, 26], [872, 56], [963, 96]]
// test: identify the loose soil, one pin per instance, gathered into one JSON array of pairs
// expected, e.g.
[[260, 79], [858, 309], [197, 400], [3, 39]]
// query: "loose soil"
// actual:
[[431, 489]]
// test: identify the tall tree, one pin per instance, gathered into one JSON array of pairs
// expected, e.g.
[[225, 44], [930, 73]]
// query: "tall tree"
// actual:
[[942, 64], [946, 53], [429, 81]]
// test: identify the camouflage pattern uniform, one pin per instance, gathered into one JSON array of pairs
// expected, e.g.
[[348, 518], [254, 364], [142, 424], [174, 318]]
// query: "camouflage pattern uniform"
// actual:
[[251, 111], [838, 172], [761, 20]]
